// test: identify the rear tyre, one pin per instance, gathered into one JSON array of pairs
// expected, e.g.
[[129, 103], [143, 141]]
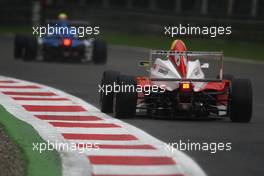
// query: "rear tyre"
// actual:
[[47, 57], [125, 102], [31, 49], [19, 46], [240, 101], [99, 52], [106, 100]]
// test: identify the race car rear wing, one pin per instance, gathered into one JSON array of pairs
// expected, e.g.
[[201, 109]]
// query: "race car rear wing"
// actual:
[[188, 53], [201, 55], [186, 80]]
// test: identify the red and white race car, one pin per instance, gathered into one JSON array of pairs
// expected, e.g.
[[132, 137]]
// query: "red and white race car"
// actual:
[[178, 85]]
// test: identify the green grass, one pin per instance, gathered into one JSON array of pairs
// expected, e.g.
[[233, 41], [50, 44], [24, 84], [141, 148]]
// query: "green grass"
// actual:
[[238, 49], [46, 163], [231, 48], [13, 29]]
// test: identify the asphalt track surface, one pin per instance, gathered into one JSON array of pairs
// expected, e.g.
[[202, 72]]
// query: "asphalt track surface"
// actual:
[[247, 154]]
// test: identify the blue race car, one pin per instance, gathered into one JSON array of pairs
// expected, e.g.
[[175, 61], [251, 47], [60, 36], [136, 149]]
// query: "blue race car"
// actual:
[[60, 46]]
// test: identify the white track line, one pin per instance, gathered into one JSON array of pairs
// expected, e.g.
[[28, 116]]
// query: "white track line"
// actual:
[[30, 96], [63, 113], [16, 84], [22, 90], [24, 102], [123, 152], [137, 170], [77, 164]]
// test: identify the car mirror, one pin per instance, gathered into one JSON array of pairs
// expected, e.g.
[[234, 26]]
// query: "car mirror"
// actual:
[[205, 65], [145, 64]]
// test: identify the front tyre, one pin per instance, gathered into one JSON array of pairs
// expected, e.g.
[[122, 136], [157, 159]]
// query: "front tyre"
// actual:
[[19, 46], [106, 100], [31, 49], [240, 100], [125, 101], [99, 52]]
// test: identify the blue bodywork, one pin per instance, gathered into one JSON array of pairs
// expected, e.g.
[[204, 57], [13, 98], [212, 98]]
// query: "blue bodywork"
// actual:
[[56, 40]]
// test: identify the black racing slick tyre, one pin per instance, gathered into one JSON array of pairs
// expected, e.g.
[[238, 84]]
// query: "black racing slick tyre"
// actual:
[[31, 48], [240, 100], [19, 46], [99, 52], [106, 99], [125, 101]]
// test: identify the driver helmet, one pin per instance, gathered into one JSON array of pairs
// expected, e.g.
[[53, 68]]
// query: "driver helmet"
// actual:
[[62, 16]]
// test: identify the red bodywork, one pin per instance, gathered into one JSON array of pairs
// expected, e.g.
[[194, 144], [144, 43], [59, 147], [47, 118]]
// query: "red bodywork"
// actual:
[[210, 86], [180, 62], [214, 86], [219, 87], [181, 65]]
